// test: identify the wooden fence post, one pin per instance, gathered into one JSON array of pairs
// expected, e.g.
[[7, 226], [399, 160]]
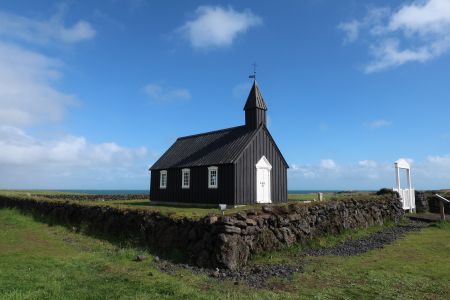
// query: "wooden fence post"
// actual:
[[441, 206]]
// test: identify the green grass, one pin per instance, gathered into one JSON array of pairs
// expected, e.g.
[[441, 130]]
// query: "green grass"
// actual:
[[174, 210], [202, 211], [292, 254], [177, 211], [303, 197], [330, 196], [38, 261], [144, 204], [442, 225], [33, 192]]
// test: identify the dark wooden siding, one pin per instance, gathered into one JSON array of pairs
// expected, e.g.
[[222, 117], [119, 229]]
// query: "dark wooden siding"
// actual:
[[198, 191], [254, 118], [245, 170]]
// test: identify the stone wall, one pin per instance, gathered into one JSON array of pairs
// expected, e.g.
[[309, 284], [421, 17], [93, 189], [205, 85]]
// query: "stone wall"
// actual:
[[422, 205], [247, 234], [91, 197], [218, 241], [428, 202]]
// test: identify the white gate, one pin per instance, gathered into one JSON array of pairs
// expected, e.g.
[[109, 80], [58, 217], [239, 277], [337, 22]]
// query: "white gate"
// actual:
[[408, 198], [263, 169], [407, 195]]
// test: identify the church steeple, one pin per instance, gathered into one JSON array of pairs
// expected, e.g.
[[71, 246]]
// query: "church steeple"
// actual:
[[255, 108]]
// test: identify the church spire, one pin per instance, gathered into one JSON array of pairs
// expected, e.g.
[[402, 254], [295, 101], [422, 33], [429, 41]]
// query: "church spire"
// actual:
[[255, 108]]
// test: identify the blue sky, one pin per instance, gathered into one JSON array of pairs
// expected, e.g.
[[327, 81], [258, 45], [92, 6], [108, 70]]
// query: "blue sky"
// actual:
[[92, 93]]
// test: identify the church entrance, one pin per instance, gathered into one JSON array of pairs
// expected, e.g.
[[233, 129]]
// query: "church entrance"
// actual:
[[263, 169]]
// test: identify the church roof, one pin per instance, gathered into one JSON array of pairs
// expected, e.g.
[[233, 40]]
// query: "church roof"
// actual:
[[255, 98], [205, 149], [215, 147]]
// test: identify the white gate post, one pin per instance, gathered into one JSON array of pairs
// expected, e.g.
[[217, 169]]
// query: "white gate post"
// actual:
[[407, 194], [408, 175], [397, 175]]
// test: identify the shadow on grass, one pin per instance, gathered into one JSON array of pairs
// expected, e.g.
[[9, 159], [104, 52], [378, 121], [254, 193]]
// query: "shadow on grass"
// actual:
[[124, 239]]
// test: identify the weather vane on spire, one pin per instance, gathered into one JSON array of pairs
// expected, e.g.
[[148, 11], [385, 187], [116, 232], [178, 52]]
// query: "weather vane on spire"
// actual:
[[254, 72]]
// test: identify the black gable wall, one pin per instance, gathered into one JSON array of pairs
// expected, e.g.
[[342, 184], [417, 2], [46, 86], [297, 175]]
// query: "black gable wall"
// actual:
[[198, 191], [245, 170]]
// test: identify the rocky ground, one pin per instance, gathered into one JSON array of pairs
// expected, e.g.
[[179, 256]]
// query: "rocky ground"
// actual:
[[256, 276], [374, 241]]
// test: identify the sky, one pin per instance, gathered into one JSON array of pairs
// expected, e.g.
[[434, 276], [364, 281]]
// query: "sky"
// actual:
[[93, 92]]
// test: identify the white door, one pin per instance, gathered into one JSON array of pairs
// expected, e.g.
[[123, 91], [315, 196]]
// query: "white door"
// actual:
[[263, 169]]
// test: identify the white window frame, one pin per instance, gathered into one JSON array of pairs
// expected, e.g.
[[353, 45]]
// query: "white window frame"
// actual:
[[162, 173], [183, 172], [210, 170]]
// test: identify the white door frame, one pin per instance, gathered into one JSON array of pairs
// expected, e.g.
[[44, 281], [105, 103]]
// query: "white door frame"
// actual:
[[263, 164], [407, 195]]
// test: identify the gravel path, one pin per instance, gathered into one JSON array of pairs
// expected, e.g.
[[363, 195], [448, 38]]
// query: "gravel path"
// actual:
[[374, 241], [256, 276]]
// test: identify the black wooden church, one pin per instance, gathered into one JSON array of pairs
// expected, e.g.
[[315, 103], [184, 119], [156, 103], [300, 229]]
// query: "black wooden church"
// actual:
[[233, 166]]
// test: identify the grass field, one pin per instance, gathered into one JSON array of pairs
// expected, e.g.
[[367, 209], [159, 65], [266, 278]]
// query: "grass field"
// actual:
[[300, 197], [31, 192], [178, 211], [38, 261]]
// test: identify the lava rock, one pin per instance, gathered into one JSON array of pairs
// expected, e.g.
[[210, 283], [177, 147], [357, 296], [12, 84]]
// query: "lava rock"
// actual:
[[231, 229], [140, 258], [250, 222]]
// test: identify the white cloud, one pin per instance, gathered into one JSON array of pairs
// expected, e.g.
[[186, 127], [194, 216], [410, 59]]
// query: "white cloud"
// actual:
[[27, 95], [373, 20], [436, 166], [43, 31], [433, 172], [328, 174], [379, 123], [368, 163], [432, 16], [351, 30], [26, 161], [328, 164], [19, 148], [388, 55], [215, 26], [416, 32], [162, 93]]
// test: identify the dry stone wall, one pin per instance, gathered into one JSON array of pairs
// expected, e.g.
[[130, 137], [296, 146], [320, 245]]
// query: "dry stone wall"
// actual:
[[428, 202], [91, 197], [219, 241], [422, 205]]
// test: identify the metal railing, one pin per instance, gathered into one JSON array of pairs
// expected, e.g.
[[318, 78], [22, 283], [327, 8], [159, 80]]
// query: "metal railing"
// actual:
[[441, 204]]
